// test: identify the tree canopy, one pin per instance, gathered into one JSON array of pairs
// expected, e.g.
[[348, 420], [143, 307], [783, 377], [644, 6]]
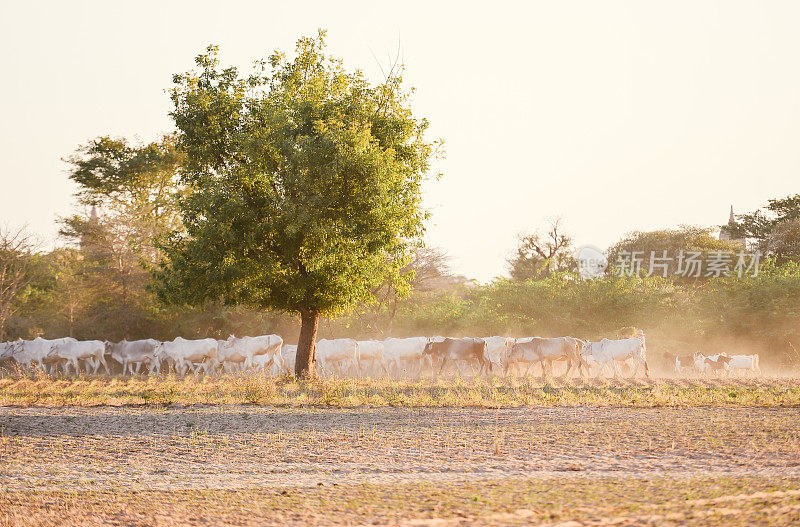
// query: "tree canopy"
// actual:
[[303, 186]]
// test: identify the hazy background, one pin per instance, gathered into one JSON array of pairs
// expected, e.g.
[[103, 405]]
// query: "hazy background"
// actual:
[[615, 115]]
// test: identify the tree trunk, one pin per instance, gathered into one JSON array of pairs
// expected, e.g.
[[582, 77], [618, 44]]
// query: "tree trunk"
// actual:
[[305, 361]]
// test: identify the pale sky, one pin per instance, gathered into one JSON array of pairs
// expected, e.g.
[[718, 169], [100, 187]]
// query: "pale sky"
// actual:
[[616, 116]]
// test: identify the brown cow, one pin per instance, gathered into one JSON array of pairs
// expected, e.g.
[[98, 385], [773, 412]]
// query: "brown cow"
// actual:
[[466, 349], [679, 362], [719, 365]]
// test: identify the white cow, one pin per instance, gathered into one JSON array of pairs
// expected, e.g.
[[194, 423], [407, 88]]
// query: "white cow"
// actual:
[[37, 352], [90, 351], [744, 363], [404, 352], [288, 356], [187, 353], [609, 351], [339, 354], [545, 351], [497, 350], [6, 353], [132, 353], [370, 354], [243, 350]]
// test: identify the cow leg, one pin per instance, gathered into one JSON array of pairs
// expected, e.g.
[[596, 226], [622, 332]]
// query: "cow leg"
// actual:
[[569, 368], [385, 366], [602, 368], [614, 365], [635, 368], [550, 368], [528, 369]]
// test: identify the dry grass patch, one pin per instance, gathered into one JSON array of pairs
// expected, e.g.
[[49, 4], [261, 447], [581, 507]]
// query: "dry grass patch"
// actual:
[[496, 392]]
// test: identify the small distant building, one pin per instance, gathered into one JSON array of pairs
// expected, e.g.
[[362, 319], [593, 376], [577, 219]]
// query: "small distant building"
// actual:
[[726, 232], [85, 238]]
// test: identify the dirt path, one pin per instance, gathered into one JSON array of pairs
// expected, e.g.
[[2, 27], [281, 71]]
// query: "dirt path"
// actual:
[[235, 450]]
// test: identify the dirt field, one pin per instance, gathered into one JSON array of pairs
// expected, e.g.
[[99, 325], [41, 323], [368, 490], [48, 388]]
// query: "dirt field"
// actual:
[[244, 465]]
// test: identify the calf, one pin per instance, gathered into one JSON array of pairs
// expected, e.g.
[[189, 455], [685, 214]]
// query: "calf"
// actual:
[[700, 364], [680, 363], [288, 359], [720, 365]]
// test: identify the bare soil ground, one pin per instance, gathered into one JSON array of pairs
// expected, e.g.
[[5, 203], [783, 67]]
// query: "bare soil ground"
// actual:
[[250, 465]]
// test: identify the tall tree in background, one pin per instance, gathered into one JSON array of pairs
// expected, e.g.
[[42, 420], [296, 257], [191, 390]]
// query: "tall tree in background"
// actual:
[[304, 187], [136, 189], [760, 223], [775, 229], [431, 272], [16, 263], [539, 255]]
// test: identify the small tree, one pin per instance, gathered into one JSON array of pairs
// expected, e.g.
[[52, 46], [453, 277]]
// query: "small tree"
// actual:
[[16, 263], [303, 187], [539, 255]]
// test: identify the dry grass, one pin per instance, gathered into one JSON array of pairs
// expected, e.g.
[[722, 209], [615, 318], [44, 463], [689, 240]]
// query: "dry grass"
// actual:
[[496, 392]]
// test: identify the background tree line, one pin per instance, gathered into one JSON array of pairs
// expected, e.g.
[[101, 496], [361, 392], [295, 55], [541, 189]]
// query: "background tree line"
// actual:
[[289, 200], [98, 284]]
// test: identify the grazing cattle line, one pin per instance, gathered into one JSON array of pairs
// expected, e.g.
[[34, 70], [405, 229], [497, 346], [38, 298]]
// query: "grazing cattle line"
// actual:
[[348, 357]]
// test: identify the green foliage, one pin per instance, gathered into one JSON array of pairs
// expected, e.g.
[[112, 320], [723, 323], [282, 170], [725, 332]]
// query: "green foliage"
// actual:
[[762, 307], [669, 242], [563, 304], [760, 223], [304, 184]]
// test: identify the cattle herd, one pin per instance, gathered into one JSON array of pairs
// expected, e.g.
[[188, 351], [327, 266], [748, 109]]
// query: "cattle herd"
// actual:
[[392, 356]]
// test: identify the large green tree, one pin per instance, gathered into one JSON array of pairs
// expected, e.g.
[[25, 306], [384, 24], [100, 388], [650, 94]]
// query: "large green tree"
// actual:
[[303, 187]]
